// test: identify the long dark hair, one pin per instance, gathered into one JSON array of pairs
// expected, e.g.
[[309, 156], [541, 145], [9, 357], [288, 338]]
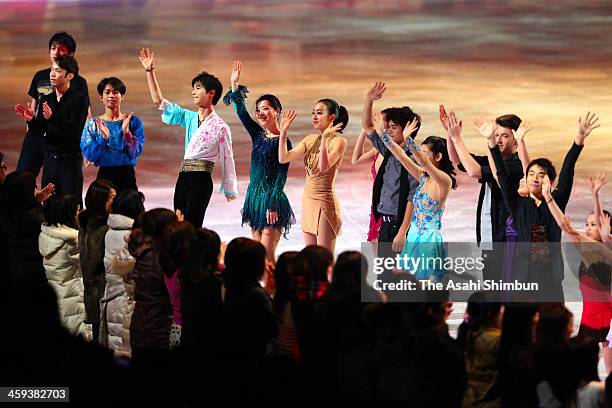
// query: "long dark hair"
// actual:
[[153, 223], [437, 145], [244, 263], [174, 245], [18, 192], [282, 279]]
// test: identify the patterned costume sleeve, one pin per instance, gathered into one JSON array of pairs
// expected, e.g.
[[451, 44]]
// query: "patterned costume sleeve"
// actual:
[[279, 184], [134, 141], [173, 114], [237, 100], [229, 182], [93, 143]]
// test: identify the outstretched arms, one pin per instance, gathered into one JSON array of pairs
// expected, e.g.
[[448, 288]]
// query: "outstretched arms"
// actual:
[[147, 59]]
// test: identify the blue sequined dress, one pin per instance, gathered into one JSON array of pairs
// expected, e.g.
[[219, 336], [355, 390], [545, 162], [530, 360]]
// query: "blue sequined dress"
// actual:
[[424, 239], [267, 175]]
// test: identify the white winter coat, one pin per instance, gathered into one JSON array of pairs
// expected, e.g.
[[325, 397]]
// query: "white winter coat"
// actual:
[[114, 303], [58, 244]]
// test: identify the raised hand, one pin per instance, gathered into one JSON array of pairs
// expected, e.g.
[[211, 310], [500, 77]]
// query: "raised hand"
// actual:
[[523, 191], [486, 127], [230, 197], [125, 127], [598, 183], [147, 58], [410, 128], [522, 130], [44, 193], [103, 128], [331, 129], [443, 117], [586, 126], [376, 91], [546, 188], [47, 112], [235, 76], [179, 215], [286, 120], [378, 123], [454, 127], [24, 111]]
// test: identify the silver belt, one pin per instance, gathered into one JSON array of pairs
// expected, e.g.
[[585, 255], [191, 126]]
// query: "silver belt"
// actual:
[[197, 165]]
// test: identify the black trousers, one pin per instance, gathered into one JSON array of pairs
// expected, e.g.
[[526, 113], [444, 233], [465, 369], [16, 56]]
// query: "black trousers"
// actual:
[[192, 195], [386, 235], [493, 261], [65, 171], [123, 177], [32, 154]]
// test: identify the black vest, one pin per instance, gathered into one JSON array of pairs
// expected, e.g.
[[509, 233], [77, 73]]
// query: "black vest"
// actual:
[[403, 194]]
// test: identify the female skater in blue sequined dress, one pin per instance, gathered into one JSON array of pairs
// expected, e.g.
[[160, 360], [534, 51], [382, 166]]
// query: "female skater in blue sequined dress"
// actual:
[[266, 207]]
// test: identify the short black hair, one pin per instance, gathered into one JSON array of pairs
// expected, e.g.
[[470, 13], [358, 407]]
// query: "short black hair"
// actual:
[[334, 108], [69, 64], [64, 38], [210, 83], [60, 209], [129, 203], [116, 83], [546, 165], [402, 116], [509, 121]]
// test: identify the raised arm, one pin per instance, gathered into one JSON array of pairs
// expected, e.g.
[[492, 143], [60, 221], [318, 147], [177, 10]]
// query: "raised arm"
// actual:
[[374, 93], [471, 166], [519, 136], [328, 158], [566, 175], [596, 185], [450, 146], [236, 96], [359, 155], [147, 59], [286, 155]]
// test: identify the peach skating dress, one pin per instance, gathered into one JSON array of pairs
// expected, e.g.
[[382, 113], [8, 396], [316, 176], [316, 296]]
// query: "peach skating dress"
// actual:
[[319, 202]]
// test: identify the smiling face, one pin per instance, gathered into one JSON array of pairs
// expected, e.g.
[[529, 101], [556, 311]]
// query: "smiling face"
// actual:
[[321, 117], [505, 140], [201, 97], [591, 229], [265, 114], [57, 50], [111, 98], [535, 176]]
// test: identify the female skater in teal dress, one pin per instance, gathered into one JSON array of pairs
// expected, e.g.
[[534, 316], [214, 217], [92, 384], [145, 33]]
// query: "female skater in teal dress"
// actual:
[[435, 173], [266, 207]]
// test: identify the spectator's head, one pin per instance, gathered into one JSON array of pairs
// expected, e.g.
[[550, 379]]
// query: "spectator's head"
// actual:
[[60, 44], [61, 209], [554, 326], [3, 168], [18, 192], [396, 119], [518, 326], [592, 229], [584, 354], [350, 270], [504, 137], [536, 170], [175, 242], [99, 198], [202, 258], [282, 278], [206, 89], [328, 111], [483, 311], [153, 222], [111, 91], [435, 149], [63, 70], [315, 263], [129, 203], [244, 263], [267, 110]]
